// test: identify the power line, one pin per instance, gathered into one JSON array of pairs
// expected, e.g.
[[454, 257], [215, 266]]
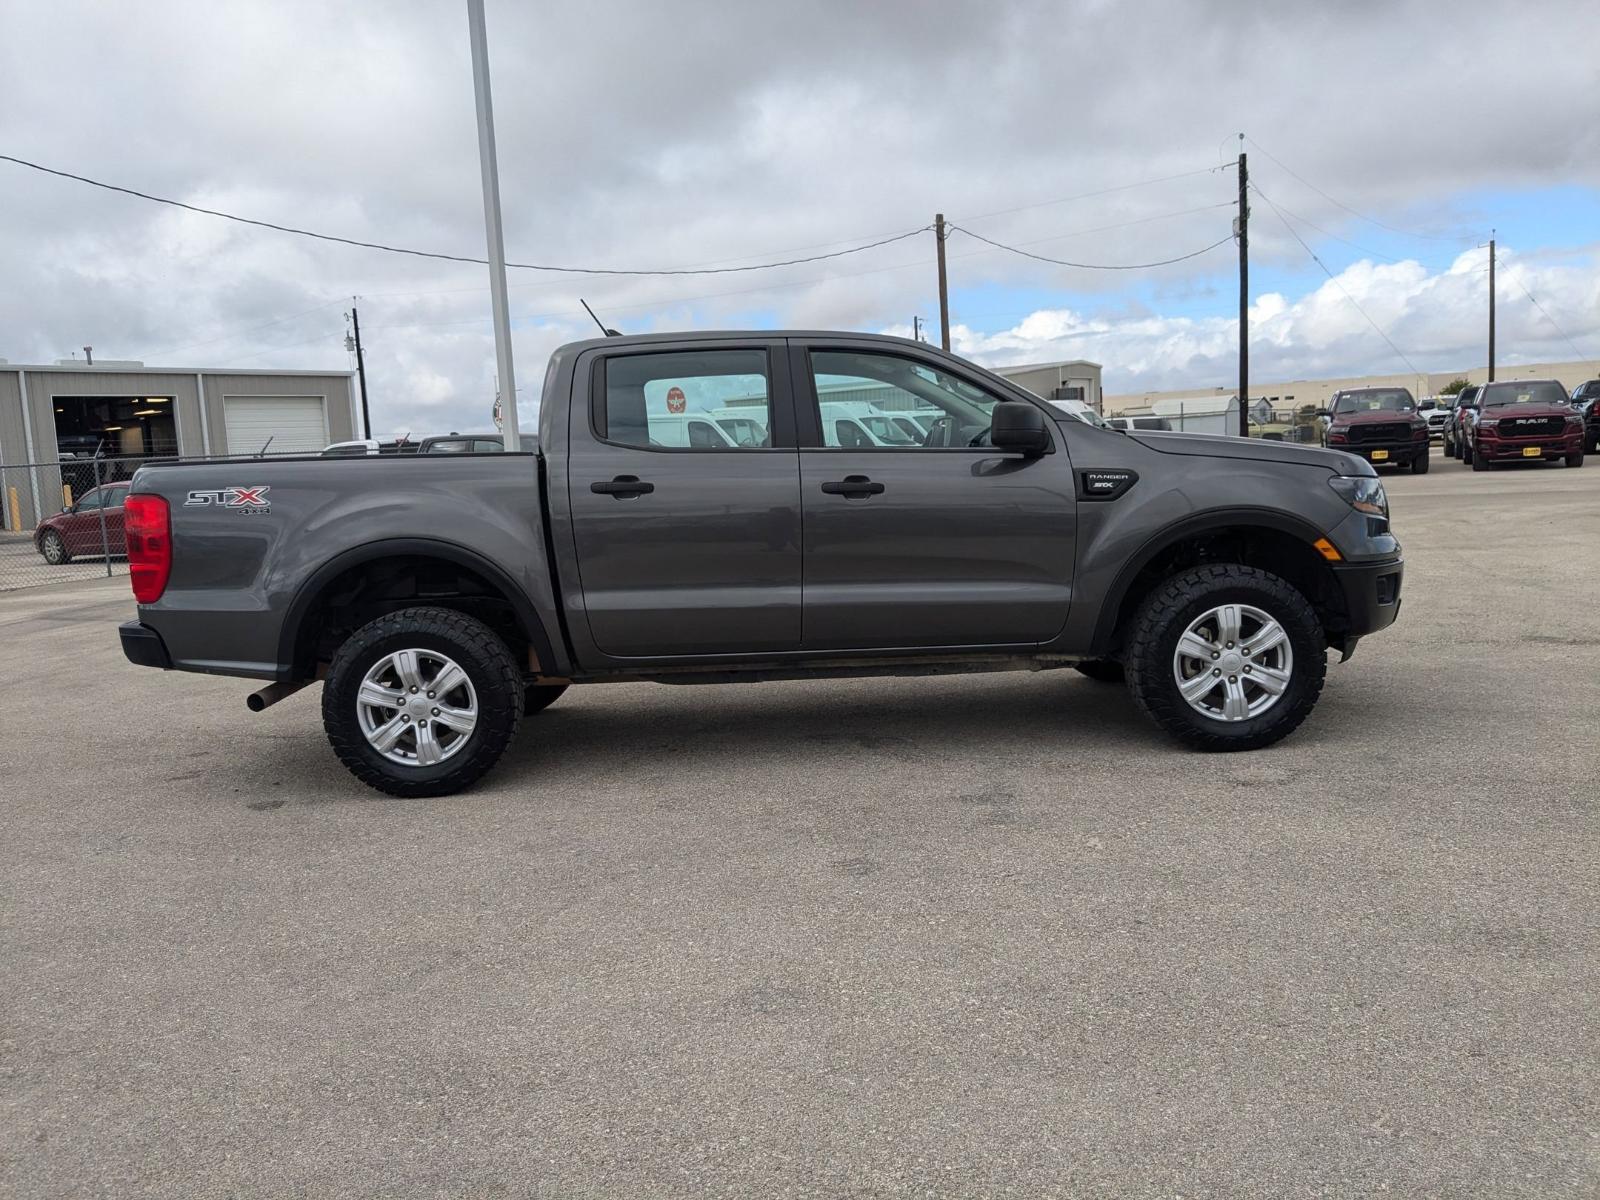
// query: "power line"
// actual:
[[1341, 204], [460, 258], [1548, 317], [1000, 212], [1060, 262], [1294, 234]]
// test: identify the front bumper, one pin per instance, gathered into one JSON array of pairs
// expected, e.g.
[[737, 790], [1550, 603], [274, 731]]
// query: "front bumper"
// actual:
[[1371, 592], [1383, 454], [1508, 449], [143, 646]]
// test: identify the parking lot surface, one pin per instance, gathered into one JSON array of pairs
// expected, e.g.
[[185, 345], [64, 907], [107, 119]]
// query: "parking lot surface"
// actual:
[[976, 935]]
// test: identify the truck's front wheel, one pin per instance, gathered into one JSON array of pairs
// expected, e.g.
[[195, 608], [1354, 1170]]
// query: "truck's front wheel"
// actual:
[[421, 702], [1226, 657]]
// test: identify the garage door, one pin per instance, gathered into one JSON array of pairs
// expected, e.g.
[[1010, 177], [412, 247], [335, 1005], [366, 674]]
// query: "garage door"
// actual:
[[296, 424]]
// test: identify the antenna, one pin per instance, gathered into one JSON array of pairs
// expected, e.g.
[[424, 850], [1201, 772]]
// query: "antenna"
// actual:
[[597, 320], [262, 453]]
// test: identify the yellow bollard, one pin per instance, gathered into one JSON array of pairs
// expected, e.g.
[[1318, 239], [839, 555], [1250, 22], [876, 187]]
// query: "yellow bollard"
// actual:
[[66, 495], [16, 512]]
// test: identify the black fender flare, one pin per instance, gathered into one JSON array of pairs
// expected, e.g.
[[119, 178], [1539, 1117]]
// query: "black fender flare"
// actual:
[[299, 608], [1198, 523]]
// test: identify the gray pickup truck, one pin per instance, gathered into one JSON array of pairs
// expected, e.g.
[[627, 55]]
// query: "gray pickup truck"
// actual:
[[441, 598]]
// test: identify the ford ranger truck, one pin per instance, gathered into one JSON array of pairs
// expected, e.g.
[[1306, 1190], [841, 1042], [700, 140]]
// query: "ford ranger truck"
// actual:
[[1381, 424], [441, 599], [1532, 419]]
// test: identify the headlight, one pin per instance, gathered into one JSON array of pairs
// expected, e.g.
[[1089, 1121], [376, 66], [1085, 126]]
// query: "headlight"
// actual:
[[1364, 493], [1489, 423]]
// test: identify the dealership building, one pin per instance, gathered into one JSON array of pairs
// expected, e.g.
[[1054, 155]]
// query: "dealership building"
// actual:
[[125, 411]]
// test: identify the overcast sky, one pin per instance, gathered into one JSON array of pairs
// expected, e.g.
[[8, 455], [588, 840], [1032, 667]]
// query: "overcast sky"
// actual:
[[664, 135]]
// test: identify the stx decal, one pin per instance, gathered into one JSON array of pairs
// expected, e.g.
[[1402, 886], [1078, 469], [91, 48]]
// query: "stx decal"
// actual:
[[241, 499]]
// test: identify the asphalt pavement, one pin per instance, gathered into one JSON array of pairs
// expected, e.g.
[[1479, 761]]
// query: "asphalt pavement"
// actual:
[[982, 935]]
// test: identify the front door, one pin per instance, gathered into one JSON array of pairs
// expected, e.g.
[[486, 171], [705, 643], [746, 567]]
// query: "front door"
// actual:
[[684, 488], [930, 540]]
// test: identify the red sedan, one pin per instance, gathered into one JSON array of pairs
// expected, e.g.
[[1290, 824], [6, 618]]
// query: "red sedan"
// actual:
[[78, 530]]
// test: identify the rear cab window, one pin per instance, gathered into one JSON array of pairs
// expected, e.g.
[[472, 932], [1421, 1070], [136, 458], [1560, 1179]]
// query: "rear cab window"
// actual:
[[716, 401]]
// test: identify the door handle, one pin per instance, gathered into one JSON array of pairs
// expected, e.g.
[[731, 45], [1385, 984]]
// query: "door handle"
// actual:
[[853, 487], [622, 487]]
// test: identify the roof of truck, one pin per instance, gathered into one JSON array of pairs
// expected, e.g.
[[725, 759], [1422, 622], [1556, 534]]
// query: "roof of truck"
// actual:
[[710, 335]]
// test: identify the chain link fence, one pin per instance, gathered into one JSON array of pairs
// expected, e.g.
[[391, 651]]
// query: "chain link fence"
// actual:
[[61, 520]]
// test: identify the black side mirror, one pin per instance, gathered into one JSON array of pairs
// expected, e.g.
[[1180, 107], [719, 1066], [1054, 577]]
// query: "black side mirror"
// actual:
[[1322, 412], [1014, 425]]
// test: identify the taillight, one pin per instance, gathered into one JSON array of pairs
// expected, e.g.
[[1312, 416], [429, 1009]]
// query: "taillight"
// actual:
[[147, 525]]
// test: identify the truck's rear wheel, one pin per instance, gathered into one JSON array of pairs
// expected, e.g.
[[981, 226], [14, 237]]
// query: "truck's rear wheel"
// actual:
[[421, 702], [1226, 657]]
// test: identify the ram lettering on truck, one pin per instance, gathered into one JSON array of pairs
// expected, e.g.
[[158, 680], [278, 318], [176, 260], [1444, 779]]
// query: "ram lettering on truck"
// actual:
[[443, 598]]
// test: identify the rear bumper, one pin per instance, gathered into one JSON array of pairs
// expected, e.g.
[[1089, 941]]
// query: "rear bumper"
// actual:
[[1371, 594], [143, 646]]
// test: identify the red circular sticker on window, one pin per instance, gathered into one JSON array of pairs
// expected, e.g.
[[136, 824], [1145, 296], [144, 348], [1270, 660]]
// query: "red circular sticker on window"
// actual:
[[676, 402]]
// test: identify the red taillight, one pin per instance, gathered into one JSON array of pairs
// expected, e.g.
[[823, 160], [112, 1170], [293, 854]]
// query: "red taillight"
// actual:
[[146, 522]]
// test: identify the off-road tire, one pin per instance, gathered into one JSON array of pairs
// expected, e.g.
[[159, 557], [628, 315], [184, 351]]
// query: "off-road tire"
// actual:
[[1167, 611], [1421, 463], [480, 653], [1102, 670], [537, 697], [54, 549]]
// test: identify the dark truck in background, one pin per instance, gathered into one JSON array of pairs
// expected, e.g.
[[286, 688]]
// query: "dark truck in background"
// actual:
[[1382, 424], [441, 598]]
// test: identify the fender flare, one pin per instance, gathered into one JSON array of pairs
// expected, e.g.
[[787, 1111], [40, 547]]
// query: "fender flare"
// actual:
[[1205, 522], [299, 608]]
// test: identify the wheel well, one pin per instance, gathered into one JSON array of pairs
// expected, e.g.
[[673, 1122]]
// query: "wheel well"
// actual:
[[1283, 554], [370, 589]]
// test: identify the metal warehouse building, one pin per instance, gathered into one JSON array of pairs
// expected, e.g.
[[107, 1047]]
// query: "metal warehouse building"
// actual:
[[125, 411]]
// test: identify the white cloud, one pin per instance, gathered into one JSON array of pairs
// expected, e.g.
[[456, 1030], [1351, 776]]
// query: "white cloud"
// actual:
[[702, 132], [1438, 321]]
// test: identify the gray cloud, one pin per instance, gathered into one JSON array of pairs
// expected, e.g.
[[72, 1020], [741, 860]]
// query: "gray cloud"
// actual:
[[691, 133]]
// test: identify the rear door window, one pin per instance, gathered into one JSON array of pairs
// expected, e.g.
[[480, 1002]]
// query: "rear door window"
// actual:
[[706, 400]]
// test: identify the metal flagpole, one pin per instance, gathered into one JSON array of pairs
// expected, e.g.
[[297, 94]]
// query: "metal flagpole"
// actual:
[[492, 227]]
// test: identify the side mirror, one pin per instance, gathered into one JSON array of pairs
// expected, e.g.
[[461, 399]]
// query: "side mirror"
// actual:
[[1014, 425], [1322, 412]]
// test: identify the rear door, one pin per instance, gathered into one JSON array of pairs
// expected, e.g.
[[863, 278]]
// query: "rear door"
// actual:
[[933, 543], [686, 545]]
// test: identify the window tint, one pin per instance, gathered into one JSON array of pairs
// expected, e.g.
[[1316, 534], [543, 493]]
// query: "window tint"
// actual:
[[689, 400], [90, 501], [870, 401]]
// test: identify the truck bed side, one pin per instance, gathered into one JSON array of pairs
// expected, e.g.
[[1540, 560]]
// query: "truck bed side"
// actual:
[[318, 543]]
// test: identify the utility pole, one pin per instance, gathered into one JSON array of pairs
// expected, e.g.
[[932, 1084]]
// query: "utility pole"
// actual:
[[1491, 306], [1243, 230], [944, 291], [361, 371], [916, 329], [493, 233]]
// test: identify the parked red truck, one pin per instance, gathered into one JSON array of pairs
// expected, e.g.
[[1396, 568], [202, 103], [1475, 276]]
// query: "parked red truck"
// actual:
[[1531, 419], [1381, 424]]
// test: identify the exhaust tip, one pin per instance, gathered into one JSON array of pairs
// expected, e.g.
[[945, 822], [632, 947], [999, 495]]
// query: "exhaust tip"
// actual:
[[255, 702]]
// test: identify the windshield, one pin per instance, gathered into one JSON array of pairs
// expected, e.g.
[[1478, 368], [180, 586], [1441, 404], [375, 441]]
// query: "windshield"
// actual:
[[1500, 395], [1375, 400]]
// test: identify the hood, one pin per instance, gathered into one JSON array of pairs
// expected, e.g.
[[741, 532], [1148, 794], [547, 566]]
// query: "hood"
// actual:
[[1374, 417], [1539, 412], [1205, 445]]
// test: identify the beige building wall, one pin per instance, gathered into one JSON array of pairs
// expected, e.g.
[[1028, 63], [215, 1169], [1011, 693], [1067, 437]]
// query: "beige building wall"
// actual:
[[1294, 393]]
